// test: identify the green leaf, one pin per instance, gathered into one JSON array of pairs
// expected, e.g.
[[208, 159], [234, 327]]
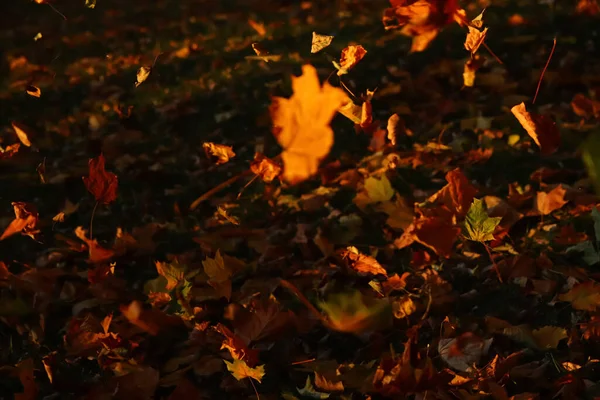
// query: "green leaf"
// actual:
[[309, 391], [480, 227]]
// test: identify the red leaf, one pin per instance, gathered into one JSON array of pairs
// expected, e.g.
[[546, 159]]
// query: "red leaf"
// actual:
[[103, 185]]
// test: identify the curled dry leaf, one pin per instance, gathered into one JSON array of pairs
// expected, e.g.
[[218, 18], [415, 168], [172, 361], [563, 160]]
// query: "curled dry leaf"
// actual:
[[264, 167], [351, 55], [541, 128], [33, 91], [220, 152], [301, 124], [103, 185], [9, 151], [475, 38], [25, 222], [319, 42]]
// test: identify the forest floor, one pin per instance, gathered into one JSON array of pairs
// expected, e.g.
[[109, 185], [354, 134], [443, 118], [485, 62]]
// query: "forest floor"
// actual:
[[443, 248]]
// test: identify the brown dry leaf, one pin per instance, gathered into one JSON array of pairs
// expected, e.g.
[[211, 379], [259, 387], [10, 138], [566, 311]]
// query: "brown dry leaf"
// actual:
[[264, 167], [422, 19], [475, 39], [23, 133], [541, 128], [219, 152], [457, 195], [301, 124], [395, 128], [464, 352], [25, 222], [33, 91], [361, 263], [151, 321], [435, 233], [102, 184], [584, 296], [351, 55], [262, 319], [319, 42], [546, 203], [219, 275]]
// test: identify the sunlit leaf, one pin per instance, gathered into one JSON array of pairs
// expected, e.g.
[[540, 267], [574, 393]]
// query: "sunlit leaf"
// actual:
[[480, 227], [240, 370]]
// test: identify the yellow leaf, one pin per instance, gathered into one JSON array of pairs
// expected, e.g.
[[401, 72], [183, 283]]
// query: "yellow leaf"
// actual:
[[585, 296], [221, 152], [548, 337], [215, 268], [240, 370], [301, 124]]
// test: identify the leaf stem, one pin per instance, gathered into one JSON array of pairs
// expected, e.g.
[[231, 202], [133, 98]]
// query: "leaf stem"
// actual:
[[544, 71]]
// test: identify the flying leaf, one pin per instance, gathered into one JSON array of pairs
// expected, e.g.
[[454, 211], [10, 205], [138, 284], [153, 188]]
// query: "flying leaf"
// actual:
[[475, 37], [103, 185], [23, 133], [319, 42], [90, 3], [240, 370], [351, 55], [258, 27], [142, 74], [264, 167], [375, 191], [301, 124], [9, 151], [220, 152], [355, 313], [541, 128], [422, 19], [25, 222], [33, 91], [480, 227]]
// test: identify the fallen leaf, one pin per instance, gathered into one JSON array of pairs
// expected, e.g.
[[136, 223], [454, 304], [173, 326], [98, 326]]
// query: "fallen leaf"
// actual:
[[541, 128], [435, 233], [23, 133], [480, 227], [546, 203], [240, 370], [309, 391], [548, 337], [25, 222], [264, 167], [584, 296], [361, 263], [301, 124], [103, 185]]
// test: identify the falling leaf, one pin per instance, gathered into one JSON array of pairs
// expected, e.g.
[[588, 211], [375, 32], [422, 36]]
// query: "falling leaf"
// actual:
[[103, 185], [395, 128], [90, 3], [475, 38], [546, 203], [422, 19], [9, 151], [172, 272], [264, 167], [142, 74], [25, 222], [258, 27], [351, 55], [262, 54], [584, 296], [541, 128], [301, 124], [319, 42], [403, 307], [355, 313], [480, 227], [240, 370], [23, 133], [470, 70], [221, 152], [350, 110], [37, 37], [33, 91], [97, 254]]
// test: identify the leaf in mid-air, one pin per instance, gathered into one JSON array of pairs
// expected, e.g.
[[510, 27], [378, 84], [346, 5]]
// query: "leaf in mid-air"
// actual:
[[103, 185], [480, 227]]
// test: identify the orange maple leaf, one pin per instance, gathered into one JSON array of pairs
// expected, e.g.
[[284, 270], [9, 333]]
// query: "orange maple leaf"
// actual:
[[219, 152], [301, 124], [264, 167], [103, 185]]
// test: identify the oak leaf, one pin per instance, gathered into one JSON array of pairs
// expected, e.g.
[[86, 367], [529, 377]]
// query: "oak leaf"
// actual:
[[541, 128], [301, 124], [103, 185]]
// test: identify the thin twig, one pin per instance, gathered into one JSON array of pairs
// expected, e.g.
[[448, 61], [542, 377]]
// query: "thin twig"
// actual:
[[217, 189], [305, 301], [544, 70], [493, 262], [492, 53], [58, 12]]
